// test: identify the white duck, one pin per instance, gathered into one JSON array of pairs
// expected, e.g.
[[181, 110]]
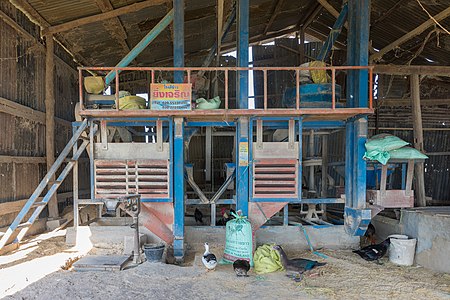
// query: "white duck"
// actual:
[[209, 259]]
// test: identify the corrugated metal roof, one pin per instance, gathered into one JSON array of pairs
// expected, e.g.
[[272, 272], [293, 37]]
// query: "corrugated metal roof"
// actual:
[[390, 20]]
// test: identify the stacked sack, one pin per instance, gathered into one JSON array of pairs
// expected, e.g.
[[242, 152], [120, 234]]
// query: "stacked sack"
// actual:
[[383, 147]]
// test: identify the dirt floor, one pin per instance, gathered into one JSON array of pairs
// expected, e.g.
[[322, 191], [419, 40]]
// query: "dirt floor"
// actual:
[[346, 276]]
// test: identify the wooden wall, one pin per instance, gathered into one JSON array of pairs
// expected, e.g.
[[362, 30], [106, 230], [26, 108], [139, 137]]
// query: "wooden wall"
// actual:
[[22, 109]]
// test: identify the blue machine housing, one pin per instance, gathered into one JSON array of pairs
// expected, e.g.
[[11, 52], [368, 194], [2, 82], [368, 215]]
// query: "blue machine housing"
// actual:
[[313, 95]]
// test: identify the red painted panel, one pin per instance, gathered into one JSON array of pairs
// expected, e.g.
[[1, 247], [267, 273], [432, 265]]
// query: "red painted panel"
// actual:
[[158, 218]]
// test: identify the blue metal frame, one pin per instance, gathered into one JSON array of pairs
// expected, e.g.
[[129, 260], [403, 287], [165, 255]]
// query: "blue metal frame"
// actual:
[[178, 39], [280, 122], [242, 52], [209, 124], [356, 216], [356, 128], [179, 191], [146, 40], [242, 170], [334, 33]]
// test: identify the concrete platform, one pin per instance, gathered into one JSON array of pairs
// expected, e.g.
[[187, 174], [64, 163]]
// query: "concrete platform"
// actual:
[[430, 226], [290, 237], [111, 232]]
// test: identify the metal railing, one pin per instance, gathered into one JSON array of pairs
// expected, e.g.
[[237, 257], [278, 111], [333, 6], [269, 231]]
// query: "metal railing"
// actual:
[[226, 70]]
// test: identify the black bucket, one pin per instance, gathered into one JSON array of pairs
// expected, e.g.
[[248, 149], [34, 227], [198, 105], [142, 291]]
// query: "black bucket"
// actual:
[[154, 252]]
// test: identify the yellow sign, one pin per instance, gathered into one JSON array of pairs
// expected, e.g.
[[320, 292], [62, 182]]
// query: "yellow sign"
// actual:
[[243, 154], [170, 96]]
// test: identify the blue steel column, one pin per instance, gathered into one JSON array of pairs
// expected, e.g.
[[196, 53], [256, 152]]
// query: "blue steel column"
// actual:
[[242, 153], [242, 166], [356, 216], [242, 52], [178, 183], [178, 39]]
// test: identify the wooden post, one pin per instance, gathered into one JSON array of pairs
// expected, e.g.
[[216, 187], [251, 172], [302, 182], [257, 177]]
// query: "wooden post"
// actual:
[[418, 140], [50, 118]]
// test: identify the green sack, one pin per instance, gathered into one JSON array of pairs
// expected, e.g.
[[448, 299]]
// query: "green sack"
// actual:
[[407, 153], [380, 156], [267, 260], [239, 240], [378, 147], [213, 103], [384, 142], [132, 102]]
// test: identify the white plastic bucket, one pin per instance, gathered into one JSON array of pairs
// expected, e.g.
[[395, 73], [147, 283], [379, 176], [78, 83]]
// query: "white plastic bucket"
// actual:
[[402, 250]]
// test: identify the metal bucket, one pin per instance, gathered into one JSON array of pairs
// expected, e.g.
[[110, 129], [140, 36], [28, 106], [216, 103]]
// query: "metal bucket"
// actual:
[[154, 252]]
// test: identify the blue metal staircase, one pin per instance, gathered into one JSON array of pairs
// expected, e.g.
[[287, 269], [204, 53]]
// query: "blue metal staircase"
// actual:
[[17, 229]]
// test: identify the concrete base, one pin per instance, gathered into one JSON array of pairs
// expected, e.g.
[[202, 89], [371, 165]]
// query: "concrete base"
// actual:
[[111, 233], [53, 224], [430, 226], [290, 237]]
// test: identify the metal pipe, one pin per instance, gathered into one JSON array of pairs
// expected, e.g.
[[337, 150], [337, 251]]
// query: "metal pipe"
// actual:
[[230, 113], [311, 185], [80, 90], [333, 89], [117, 89], [146, 40], [370, 88], [334, 33], [196, 188], [265, 89], [226, 89], [223, 188]]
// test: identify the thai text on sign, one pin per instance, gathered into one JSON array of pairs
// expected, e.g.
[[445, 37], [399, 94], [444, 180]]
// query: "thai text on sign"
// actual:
[[170, 96]]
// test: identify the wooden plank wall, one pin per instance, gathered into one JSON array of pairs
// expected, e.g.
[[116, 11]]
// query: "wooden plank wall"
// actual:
[[22, 109]]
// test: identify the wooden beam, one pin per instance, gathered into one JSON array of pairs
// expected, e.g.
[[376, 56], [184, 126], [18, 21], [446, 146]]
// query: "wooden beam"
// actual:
[[310, 15], [36, 18], [30, 12], [273, 14], [16, 205], [50, 117], [408, 102], [115, 26], [22, 111], [410, 129], [4, 159], [331, 10], [16, 26], [408, 70], [418, 140], [26, 35], [257, 39], [387, 13], [418, 30], [220, 5], [103, 16]]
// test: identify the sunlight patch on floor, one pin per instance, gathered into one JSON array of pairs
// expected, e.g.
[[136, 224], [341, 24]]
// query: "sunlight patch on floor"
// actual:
[[17, 277]]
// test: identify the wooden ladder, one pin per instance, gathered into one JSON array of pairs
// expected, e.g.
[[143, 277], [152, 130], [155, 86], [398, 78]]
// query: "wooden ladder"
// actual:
[[18, 228]]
